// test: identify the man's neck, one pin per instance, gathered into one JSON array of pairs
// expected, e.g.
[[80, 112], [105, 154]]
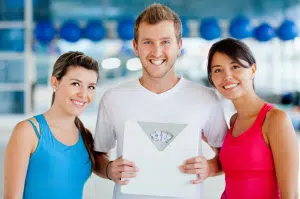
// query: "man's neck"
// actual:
[[159, 85]]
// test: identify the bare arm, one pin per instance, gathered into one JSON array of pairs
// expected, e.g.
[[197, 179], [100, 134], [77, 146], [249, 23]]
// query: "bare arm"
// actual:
[[115, 170], [214, 165], [202, 167], [17, 154], [283, 143], [102, 159]]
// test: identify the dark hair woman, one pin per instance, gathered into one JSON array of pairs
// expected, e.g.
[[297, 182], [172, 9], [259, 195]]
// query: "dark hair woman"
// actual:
[[260, 155]]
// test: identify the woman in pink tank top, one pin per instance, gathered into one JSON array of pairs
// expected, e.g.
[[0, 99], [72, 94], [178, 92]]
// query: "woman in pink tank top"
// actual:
[[260, 155]]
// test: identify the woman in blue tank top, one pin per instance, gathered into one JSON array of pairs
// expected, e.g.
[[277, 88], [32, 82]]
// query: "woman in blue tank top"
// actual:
[[51, 155]]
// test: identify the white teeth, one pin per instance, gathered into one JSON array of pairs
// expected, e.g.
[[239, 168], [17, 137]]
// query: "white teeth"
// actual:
[[78, 103], [230, 86], [157, 62]]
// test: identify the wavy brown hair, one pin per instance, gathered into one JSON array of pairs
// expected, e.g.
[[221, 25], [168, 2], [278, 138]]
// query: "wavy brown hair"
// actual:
[[156, 13], [61, 66]]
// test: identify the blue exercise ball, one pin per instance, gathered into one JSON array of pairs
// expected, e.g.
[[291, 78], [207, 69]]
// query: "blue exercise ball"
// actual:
[[95, 30], [185, 28], [240, 28], [264, 32], [126, 29], [210, 29], [288, 30], [44, 32], [70, 31], [12, 39]]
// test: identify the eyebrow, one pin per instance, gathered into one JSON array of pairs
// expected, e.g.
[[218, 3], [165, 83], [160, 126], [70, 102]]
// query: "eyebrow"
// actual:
[[217, 65], [163, 38], [166, 38], [81, 81]]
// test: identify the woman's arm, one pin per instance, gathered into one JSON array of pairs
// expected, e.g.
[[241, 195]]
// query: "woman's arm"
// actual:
[[283, 143], [20, 146]]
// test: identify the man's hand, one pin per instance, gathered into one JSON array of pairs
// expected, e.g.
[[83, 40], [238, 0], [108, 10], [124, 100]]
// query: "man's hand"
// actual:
[[121, 169], [197, 165]]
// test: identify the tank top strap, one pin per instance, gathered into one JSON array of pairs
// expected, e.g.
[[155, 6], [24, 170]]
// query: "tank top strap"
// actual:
[[262, 114], [44, 128], [35, 129]]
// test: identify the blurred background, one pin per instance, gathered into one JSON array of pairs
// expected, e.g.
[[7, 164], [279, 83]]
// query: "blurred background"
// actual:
[[34, 33]]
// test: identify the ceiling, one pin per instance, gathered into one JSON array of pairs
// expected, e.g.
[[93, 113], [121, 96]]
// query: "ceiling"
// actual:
[[192, 9]]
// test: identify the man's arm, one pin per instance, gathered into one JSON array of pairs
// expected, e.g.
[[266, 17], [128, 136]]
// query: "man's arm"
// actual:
[[202, 167], [102, 160], [214, 164], [116, 170]]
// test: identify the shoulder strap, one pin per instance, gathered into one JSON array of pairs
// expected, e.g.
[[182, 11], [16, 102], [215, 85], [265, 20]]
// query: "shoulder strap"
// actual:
[[35, 129], [44, 127], [262, 114]]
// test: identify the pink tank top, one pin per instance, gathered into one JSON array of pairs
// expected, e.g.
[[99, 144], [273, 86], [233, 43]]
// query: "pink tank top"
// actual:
[[248, 163]]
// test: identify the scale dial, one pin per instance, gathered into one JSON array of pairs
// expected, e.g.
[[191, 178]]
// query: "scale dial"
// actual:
[[161, 136]]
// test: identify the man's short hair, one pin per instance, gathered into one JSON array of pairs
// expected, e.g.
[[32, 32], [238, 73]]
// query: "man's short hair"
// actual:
[[156, 13]]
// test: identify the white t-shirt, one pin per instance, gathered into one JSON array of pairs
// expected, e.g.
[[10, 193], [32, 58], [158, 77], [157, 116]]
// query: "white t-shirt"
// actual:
[[187, 102]]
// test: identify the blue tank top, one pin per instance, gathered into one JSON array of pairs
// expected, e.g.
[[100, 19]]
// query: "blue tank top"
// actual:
[[56, 170]]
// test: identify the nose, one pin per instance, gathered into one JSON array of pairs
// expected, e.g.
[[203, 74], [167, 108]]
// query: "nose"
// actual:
[[83, 93], [227, 75], [157, 50]]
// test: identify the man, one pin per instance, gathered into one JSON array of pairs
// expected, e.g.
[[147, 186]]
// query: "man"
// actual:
[[158, 95]]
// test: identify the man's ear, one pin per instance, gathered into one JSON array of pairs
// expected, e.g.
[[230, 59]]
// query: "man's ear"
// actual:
[[135, 47], [179, 48]]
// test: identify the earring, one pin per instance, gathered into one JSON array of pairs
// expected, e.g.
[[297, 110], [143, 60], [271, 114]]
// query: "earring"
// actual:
[[54, 90]]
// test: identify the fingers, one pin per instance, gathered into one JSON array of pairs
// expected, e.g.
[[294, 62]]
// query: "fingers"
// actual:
[[122, 182], [197, 165], [121, 169], [125, 168], [193, 171], [192, 166], [198, 180], [128, 175], [198, 159], [121, 162]]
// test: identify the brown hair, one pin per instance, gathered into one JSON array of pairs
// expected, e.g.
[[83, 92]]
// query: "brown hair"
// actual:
[[61, 66], [235, 49], [156, 13]]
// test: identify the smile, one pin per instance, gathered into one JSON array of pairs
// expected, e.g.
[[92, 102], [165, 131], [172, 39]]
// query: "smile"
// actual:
[[230, 86], [157, 62], [78, 104]]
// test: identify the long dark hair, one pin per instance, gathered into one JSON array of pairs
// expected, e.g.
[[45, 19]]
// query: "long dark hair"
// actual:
[[235, 49], [61, 66]]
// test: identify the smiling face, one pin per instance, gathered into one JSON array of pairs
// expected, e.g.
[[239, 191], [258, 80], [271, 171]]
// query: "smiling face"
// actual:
[[157, 48], [75, 90], [230, 78]]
